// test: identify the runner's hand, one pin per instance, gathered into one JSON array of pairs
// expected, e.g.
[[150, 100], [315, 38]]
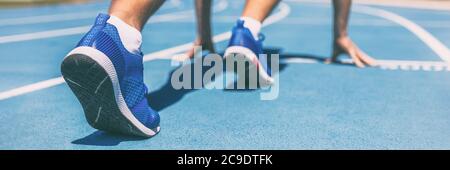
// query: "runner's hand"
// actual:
[[206, 45], [344, 45]]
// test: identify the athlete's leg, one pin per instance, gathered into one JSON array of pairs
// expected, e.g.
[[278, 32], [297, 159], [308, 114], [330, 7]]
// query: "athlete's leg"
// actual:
[[204, 32], [135, 12], [259, 9], [105, 70]]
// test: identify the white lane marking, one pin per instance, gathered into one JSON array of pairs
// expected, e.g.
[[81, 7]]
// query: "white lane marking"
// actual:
[[218, 7], [48, 18], [324, 21], [70, 16], [414, 65], [437, 46], [222, 5], [31, 88], [405, 65], [55, 18], [285, 10], [44, 34], [72, 31], [162, 54], [430, 5]]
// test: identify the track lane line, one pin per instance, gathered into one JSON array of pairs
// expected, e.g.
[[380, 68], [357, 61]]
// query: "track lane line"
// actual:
[[68, 16], [221, 6], [48, 18], [405, 65], [427, 5], [437, 46]]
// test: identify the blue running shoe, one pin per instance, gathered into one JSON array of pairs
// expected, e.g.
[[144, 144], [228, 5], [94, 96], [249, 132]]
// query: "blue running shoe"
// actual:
[[242, 43], [108, 81]]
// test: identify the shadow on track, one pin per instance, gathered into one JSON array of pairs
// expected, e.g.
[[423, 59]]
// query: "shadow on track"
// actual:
[[100, 138], [166, 96]]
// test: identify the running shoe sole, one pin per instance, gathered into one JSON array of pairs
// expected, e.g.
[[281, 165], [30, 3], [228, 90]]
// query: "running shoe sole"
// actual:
[[92, 77]]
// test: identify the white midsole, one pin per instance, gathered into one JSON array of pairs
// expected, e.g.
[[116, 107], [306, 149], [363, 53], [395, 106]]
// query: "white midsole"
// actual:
[[106, 63], [250, 56]]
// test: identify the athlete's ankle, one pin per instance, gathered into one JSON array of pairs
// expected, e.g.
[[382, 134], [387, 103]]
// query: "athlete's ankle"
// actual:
[[253, 25], [130, 36]]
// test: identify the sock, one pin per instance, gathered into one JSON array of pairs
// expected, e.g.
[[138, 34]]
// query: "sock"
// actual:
[[130, 36], [253, 25]]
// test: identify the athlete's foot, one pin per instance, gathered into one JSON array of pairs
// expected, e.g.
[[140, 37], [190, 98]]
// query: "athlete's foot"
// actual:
[[344, 45], [206, 45], [108, 81], [243, 43]]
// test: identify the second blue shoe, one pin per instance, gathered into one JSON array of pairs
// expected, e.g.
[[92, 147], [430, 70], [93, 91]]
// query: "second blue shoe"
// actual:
[[108, 81], [242, 43]]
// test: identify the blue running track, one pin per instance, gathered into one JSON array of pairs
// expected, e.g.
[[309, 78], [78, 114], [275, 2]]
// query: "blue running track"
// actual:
[[402, 104]]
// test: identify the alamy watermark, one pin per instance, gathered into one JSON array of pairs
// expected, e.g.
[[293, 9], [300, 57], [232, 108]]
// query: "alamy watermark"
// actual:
[[235, 71]]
